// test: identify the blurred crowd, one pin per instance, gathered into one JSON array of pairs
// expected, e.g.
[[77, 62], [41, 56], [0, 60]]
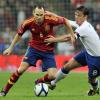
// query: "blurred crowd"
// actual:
[[13, 12]]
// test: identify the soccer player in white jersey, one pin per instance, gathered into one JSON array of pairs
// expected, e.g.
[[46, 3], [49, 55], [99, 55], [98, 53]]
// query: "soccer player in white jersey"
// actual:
[[89, 56]]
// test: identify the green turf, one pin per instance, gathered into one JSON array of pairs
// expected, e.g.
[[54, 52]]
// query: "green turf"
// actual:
[[74, 87]]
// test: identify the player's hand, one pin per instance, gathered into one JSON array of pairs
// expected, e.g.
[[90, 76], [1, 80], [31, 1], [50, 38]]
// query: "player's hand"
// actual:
[[7, 51], [50, 39]]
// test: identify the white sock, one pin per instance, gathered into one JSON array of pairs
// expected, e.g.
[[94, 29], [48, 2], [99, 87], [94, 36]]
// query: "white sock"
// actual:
[[60, 75]]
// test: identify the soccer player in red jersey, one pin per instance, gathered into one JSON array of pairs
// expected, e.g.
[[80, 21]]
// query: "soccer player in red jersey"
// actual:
[[41, 26]]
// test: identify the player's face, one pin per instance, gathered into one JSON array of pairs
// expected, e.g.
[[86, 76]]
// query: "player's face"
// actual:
[[80, 17], [39, 15]]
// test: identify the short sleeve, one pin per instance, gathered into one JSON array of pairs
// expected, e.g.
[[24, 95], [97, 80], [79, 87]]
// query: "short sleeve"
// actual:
[[56, 20], [73, 24], [81, 31], [23, 27]]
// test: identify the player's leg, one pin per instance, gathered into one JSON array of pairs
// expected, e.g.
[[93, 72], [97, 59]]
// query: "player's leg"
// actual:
[[48, 77], [49, 65], [52, 73], [14, 78], [29, 59], [93, 81], [78, 61], [72, 64], [94, 71]]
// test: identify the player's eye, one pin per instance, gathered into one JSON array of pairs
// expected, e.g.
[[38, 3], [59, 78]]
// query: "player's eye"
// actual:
[[37, 14]]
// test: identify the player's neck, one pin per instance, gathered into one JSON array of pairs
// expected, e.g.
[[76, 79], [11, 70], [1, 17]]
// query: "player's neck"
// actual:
[[82, 22], [39, 23]]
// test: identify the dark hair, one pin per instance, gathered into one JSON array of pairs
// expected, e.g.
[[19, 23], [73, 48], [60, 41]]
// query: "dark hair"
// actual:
[[39, 5], [83, 9]]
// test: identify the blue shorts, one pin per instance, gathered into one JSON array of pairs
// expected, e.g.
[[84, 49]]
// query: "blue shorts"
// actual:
[[93, 63], [32, 55]]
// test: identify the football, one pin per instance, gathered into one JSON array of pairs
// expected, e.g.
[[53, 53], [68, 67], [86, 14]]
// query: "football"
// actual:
[[41, 89]]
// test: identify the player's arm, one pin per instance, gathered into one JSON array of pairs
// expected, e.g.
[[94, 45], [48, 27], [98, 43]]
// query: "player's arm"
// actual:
[[62, 38], [17, 37], [15, 40], [70, 30], [57, 20], [10, 49], [73, 23], [68, 22]]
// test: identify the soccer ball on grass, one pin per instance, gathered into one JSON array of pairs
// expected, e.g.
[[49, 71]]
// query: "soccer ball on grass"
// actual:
[[41, 89]]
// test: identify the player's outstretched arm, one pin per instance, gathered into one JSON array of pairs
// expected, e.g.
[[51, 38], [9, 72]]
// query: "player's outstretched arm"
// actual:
[[63, 38], [10, 49], [70, 30]]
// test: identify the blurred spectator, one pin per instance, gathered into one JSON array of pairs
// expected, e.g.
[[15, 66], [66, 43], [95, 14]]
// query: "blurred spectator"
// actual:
[[20, 15], [65, 48], [2, 19], [98, 29], [2, 3], [8, 18], [7, 36], [76, 3], [2, 44]]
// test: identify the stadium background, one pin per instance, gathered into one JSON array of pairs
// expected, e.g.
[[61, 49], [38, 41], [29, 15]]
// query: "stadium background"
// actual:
[[13, 12]]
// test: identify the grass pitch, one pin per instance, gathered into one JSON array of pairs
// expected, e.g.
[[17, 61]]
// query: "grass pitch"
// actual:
[[73, 87]]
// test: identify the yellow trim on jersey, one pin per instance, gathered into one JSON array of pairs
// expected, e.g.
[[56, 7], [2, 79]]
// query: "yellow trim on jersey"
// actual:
[[27, 21], [54, 18], [16, 74], [12, 78]]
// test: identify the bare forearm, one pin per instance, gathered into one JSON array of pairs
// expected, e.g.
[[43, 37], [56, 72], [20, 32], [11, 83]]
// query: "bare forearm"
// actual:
[[69, 28], [63, 38], [15, 40]]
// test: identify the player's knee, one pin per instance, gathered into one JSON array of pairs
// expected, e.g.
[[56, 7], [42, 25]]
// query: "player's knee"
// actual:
[[23, 67], [52, 75], [20, 71]]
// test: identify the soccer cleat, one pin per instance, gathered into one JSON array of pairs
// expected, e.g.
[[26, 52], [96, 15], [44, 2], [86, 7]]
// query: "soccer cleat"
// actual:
[[92, 92], [2, 93], [37, 82], [51, 87]]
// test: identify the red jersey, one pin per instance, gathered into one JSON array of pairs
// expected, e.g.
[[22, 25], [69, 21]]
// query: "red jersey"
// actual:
[[41, 32]]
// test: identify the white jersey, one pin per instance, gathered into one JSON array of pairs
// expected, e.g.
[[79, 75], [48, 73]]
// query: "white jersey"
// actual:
[[89, 38], [73, 24]]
